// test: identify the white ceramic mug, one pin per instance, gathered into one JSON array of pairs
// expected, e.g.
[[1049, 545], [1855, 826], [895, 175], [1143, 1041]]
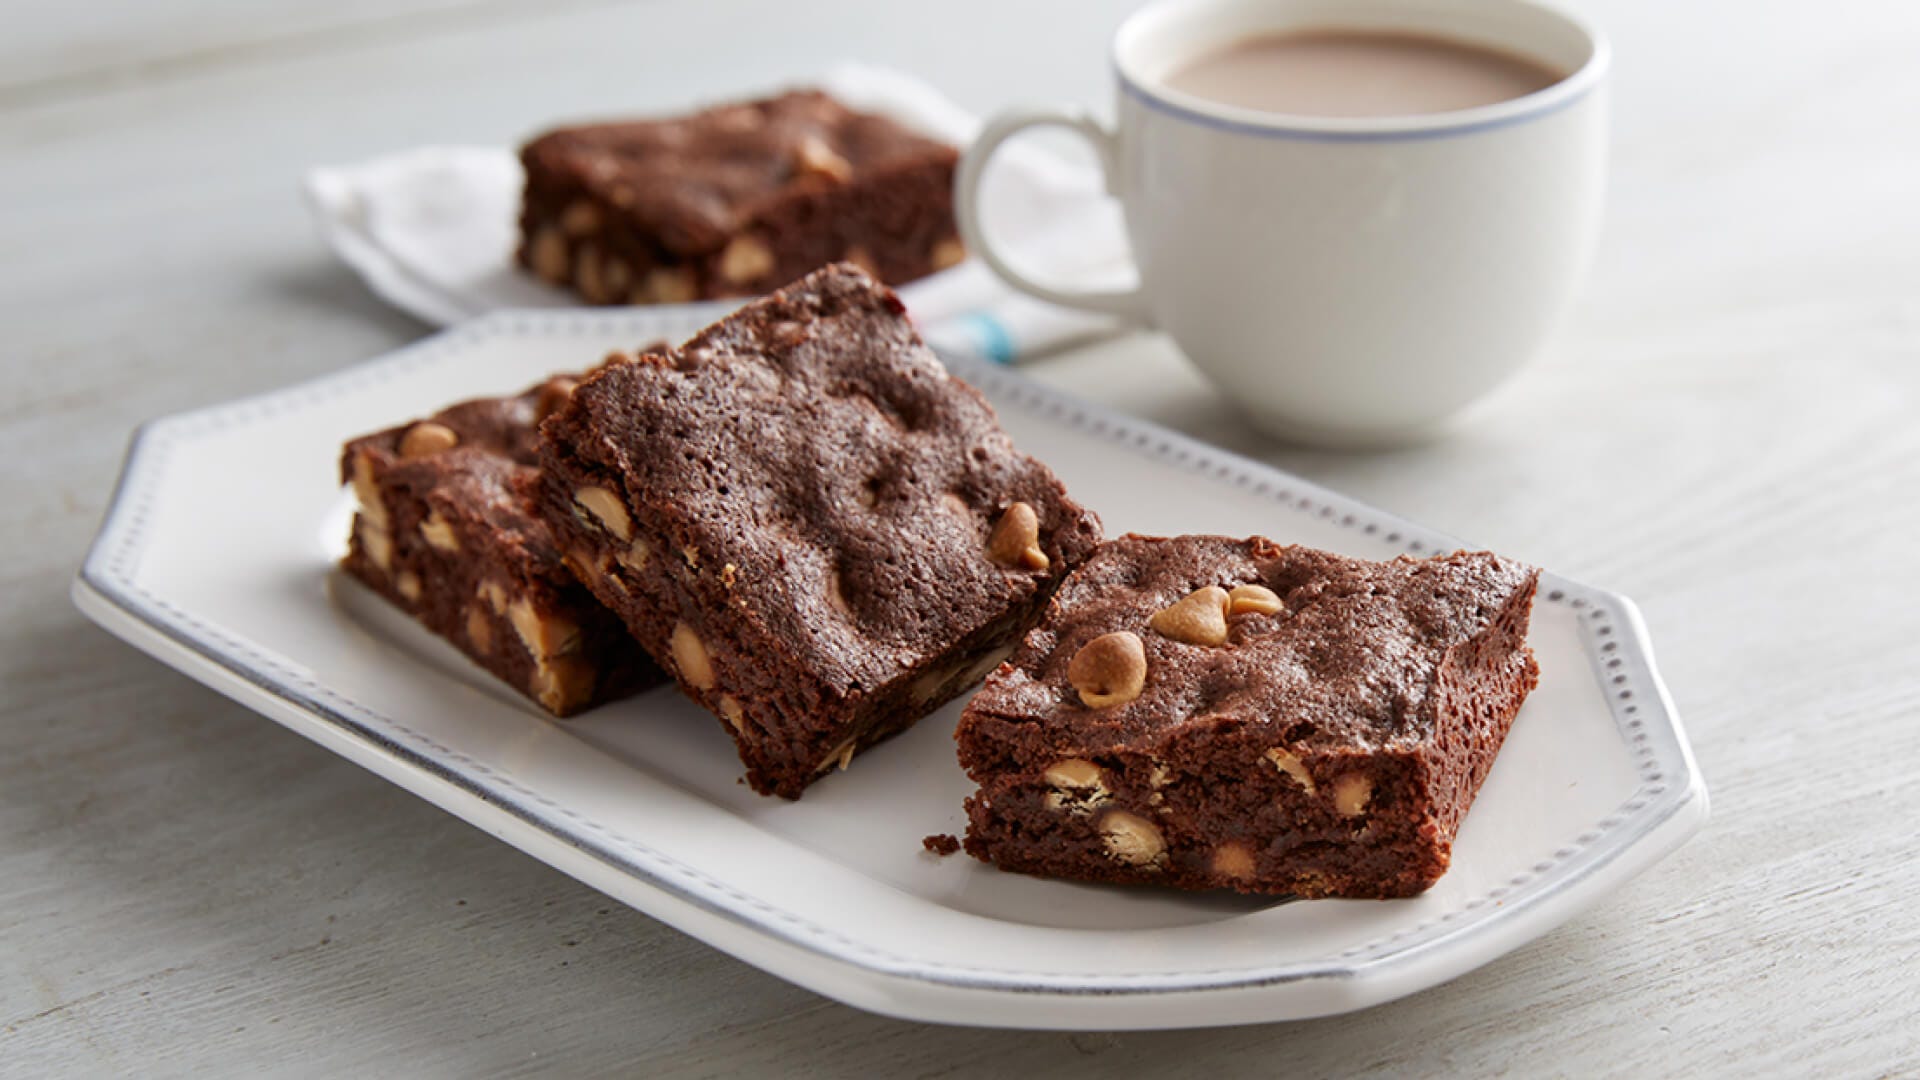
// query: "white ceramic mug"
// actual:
[[1345, 280]]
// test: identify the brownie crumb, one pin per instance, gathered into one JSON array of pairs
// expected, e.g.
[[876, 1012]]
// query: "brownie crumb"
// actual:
[[941, 844]]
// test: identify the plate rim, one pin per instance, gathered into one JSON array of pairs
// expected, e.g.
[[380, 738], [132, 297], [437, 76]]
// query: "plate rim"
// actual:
[[1669, 806]]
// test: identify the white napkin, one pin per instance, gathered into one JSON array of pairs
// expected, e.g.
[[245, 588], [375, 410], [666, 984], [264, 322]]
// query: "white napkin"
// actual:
[[432, 230]]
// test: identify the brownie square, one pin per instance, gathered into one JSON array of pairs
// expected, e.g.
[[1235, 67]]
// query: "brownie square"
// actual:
[[735, 200], [1206, 712], [804, 518], [445, 530]]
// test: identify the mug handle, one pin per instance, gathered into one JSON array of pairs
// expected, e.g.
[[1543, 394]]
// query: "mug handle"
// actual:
[[1130, 303]]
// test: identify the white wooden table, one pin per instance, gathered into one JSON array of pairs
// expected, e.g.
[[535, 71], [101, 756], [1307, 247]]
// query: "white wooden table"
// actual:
[[1726, 430]]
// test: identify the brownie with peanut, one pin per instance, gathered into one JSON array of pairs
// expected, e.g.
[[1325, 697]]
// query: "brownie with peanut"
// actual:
[[445, 530], [820, 532], [1215, 713], [734, 200]]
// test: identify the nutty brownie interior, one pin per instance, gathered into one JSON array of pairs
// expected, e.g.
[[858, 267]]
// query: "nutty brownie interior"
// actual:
[[816, 528], [735, 200], [1207, 712], [445, 530]]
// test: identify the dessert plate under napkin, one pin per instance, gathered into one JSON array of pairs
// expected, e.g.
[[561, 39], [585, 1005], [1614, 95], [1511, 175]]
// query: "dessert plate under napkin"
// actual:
[[217, 555]]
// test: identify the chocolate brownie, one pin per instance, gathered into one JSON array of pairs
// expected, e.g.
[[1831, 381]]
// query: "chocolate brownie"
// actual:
[[735, 200], [445, 530], [1205, 712], [807, 520]]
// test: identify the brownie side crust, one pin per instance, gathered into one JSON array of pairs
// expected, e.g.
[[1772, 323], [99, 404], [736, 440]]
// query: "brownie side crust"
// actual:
[[808, 521], [1318, 726], [734, 200], [445, 531]]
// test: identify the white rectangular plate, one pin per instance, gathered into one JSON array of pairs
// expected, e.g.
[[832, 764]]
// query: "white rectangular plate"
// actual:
[[216, 557]]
